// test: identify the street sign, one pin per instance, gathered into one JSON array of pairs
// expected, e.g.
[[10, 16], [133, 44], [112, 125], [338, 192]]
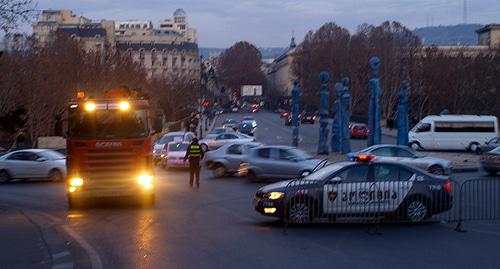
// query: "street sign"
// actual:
[[251, 90]]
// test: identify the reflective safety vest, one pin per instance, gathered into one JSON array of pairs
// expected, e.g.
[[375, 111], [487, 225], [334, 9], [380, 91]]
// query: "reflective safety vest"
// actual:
[[195, 151]]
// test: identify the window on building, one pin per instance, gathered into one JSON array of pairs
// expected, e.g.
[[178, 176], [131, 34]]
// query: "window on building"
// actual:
[[182, 26], [141, 54], [153, 56], [174, 61], [129, 52]]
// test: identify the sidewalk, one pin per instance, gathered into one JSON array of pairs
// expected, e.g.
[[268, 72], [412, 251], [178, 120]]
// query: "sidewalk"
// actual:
[[26, 244]]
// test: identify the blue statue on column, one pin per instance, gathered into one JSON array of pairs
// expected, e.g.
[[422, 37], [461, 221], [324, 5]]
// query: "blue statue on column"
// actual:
[[374, 129], [337, 119], [295, 113], [324, 108], [402, 118], [345, 143]]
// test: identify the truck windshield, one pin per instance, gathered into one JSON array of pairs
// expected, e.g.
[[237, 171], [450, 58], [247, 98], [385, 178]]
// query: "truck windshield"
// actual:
[[107, 124]]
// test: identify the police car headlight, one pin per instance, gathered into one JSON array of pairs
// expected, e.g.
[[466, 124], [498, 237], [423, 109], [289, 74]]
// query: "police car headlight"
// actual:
[[275, 195]]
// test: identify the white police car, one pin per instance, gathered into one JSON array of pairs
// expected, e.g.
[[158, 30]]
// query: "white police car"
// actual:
[[356, 190]]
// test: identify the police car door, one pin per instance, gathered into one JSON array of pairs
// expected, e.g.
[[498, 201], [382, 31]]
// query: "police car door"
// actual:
[[390, 191], [347, 192]]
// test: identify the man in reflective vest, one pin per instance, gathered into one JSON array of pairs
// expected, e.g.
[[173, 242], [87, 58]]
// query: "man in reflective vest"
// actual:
[[194, 154]]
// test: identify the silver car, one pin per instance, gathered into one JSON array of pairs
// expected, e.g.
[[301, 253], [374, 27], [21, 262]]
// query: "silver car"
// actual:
[[277, 162], [227, 159], [167, 138], [213, 141], [406, 155], [32, 163]]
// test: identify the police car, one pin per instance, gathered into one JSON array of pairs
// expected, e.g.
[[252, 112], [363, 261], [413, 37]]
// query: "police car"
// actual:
[[361, 189]]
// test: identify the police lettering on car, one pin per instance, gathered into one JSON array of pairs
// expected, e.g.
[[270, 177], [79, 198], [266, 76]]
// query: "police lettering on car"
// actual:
[[362, 186]]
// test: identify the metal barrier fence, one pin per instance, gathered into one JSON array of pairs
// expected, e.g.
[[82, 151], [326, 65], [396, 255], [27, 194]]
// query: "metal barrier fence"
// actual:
[[314, 201]]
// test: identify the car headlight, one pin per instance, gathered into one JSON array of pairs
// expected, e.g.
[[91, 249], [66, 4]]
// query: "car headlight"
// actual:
[[146, 181], [275, 195]]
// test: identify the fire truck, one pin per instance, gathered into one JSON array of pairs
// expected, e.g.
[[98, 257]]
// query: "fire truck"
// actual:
[[109, 148]]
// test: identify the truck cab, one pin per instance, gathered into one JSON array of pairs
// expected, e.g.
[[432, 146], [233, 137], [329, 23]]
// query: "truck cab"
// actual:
[[109, 149]]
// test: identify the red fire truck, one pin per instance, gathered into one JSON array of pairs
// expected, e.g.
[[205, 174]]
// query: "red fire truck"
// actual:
[[109, 148]]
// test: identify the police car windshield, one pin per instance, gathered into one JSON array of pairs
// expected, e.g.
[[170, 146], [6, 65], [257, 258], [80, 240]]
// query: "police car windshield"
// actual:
[[324, 172], [108, 123]]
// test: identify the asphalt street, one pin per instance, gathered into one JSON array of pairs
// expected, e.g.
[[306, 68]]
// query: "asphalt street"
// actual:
[[216, 226]]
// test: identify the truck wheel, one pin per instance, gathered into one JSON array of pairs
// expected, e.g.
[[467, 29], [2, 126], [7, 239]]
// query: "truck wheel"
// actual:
[[415, 146], [473, 146]]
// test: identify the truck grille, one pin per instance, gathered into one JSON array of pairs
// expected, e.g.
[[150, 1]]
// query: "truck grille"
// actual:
[[109, 168]]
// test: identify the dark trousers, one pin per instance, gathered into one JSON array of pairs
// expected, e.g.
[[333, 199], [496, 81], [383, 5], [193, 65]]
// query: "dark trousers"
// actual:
[[194, 170]]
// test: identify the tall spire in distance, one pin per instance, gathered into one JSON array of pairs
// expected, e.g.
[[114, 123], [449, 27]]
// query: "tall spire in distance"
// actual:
[[292, 42]]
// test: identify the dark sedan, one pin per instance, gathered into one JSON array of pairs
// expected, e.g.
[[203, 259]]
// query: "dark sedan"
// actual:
[[356, 190], [490, 161]]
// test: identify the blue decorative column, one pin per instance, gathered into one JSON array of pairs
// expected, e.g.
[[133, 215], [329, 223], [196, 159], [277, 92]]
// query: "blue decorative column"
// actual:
[[336, 126], [324, 108], [295, 113], [345, 109], [374, 129], [402, 118]]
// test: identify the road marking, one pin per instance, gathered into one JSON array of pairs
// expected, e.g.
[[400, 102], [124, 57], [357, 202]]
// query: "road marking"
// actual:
[[95, 259]]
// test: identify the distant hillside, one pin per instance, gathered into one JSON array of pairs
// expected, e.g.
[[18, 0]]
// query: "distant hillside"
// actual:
[[462, 34], [266, 52]]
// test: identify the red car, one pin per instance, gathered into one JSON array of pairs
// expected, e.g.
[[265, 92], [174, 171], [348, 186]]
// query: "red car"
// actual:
[[358, 130]]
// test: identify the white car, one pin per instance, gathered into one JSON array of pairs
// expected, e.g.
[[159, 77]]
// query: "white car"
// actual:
[[170, 137], [173, 154], [212, 142], [32, 163]]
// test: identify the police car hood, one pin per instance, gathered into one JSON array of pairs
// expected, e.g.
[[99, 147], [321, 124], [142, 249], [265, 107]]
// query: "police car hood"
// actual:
[[282, 185]]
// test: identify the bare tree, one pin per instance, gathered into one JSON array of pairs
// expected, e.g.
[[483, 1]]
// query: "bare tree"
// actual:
[[13, 12]]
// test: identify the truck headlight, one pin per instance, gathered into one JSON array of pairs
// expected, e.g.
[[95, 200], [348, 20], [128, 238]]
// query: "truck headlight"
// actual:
[[275, 195], [76, 182], [146, 181]]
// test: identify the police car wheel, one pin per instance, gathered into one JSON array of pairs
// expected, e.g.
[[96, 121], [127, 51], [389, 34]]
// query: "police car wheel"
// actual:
[[436, 170], [299, 212], [416, 211]]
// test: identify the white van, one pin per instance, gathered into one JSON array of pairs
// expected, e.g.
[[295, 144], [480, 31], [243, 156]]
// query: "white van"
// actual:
[[453, 132]]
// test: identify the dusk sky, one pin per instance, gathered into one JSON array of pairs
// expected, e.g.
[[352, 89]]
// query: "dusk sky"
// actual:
[[269, 23]]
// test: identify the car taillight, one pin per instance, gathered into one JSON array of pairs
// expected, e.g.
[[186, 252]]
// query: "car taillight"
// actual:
[[447, 186]]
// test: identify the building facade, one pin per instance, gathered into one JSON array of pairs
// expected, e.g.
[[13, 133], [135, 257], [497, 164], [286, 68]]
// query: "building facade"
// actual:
[[279, 74], [489, 35], [170, 50]]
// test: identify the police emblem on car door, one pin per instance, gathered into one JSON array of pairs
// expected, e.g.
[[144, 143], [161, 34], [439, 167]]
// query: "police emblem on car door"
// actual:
[[348, 191]]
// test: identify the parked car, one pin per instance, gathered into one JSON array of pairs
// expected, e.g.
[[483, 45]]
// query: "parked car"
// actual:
[[490, 161], [358, 130], [277, 162], [173, 154], [453, 132], [167, 138], [227, 159], [489, 145], [230, 123], [32, 163], [358, 190], [308, 117], [404, 154], [288, 120], [212, 142], [284, 114]]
